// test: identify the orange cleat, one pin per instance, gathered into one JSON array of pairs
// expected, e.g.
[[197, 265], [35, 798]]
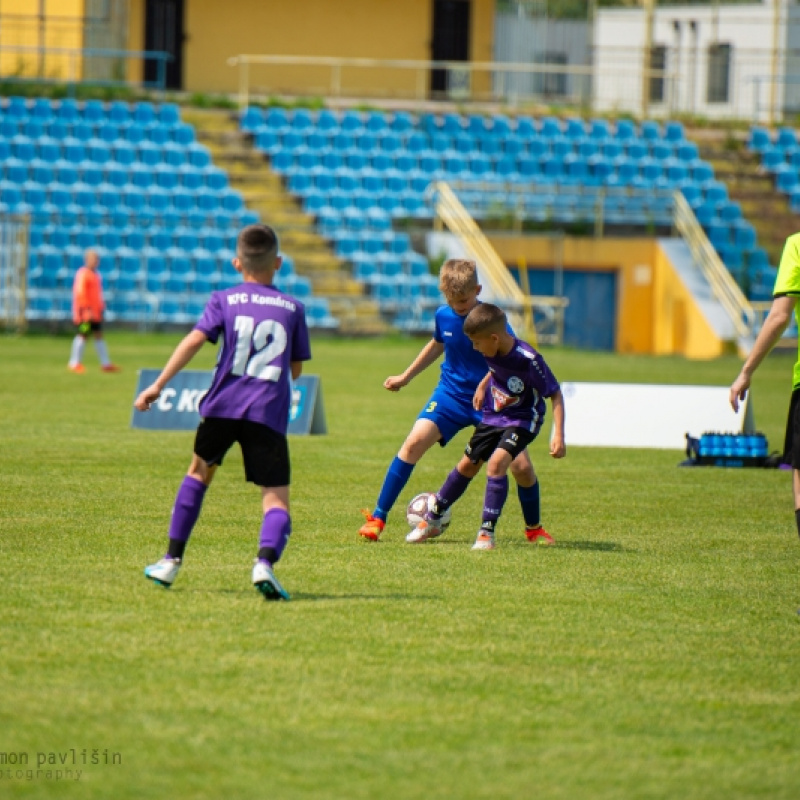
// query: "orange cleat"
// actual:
[[111, 368], [372, 528], [539, 535], [78, 369]]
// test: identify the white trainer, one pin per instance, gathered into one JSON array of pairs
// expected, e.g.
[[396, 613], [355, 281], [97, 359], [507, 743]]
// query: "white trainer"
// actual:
[[265, 582], [427, 529], [484, 541], [164, 571]]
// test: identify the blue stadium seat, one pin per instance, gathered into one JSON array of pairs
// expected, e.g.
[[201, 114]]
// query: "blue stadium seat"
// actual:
[[786, 139], [119, 112], [327, 120], [759, 139], [144, 113], [67, 110]]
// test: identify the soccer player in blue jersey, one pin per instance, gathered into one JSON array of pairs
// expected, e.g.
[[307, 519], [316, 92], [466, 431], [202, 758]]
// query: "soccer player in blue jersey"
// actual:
[[511, 397], [450, 408], [264, 341]]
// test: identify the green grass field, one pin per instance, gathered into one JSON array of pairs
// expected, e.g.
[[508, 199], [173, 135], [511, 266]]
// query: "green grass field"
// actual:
[[653, 653]]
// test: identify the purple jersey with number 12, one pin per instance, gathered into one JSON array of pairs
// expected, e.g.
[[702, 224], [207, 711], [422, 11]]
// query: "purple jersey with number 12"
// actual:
[[263, 331]]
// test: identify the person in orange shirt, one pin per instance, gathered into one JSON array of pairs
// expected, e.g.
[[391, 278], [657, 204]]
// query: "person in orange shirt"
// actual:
[[87, 314]]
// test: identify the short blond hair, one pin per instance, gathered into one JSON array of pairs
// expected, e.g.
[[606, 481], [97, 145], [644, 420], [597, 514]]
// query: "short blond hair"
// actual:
[[458, 276]]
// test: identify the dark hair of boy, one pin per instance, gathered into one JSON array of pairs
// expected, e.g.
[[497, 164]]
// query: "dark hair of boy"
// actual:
[[257, 248], [485, 318]]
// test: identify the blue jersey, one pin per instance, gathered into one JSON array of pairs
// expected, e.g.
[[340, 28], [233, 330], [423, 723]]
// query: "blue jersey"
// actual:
[[463, 367]]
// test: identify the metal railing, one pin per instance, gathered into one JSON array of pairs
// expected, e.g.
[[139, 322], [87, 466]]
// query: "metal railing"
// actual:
[[13, 270], [724, 287], [460, 75], [501, 284], [75, 58]]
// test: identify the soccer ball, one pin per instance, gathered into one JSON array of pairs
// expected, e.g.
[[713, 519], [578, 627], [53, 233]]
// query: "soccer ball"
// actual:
[[415, 512]]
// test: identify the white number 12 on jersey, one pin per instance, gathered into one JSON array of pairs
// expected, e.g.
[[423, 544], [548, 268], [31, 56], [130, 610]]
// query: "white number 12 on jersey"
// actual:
[[257, 365]]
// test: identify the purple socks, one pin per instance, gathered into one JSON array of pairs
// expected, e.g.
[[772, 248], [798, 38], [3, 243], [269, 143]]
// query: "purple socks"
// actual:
[[185, 512], [453, 487], [494, 500], [275, 530]]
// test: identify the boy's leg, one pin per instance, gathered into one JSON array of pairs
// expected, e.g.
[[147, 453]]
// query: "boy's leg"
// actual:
[[76, 353], [275, 531], [422, 437], [495, 496], [102, 353], [213, 440], [529, 499], [453, 487], [185, 512]]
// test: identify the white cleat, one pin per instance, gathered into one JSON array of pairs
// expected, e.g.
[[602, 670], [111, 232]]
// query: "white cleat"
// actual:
[[427, 529], [265, 582], [484, 541], [163, 572]]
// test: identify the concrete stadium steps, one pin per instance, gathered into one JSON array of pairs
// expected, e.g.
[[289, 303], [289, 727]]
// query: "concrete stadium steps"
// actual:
[[263, 191], [739, 169]]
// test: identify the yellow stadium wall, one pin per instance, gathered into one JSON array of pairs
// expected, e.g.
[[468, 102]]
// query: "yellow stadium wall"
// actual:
[[655, 312], [382, 29], [20, 26]]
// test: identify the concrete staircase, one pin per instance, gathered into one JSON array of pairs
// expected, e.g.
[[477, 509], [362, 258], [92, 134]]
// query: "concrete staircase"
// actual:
[[767, 209], [263, 191]]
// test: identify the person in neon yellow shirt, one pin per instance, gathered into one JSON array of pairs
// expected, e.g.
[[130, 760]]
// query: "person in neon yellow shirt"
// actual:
[[87, 314], [786, 294]]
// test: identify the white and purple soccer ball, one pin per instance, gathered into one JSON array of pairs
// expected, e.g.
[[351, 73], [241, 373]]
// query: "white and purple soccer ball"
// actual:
[[415, 512]]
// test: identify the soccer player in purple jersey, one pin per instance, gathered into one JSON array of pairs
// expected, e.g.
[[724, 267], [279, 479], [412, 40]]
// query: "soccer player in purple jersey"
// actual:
[[512, 399], [264, 343]]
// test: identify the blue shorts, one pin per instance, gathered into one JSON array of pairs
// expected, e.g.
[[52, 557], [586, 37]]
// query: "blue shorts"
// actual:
[[449, 415]]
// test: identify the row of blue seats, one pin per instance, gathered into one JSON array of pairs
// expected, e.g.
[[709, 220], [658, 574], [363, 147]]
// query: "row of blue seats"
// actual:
[[134, 132], [70, 110], [88, 172], [418, 142], [302, 180], [366, 268], [347, 242], [296, 285], [427, 165], [761, 139], [122, 216], [479, 125], [74, 151], [398, 291], [177, 308], [135, 198], [136, 239]]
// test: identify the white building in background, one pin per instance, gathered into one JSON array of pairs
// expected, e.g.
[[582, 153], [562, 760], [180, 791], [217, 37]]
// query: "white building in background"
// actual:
[[717, 61]]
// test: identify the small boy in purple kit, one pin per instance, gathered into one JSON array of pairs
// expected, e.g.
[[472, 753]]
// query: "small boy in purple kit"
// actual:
[[264, 342], [512, 400]]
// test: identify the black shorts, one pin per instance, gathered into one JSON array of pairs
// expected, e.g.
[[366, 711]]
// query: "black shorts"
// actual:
[[265, 452], [488, 438], [94, 327], [791, 444]]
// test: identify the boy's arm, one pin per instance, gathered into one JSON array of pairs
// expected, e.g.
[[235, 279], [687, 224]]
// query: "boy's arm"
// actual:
[[297, 369], [426, 357], [480, 392], [180, 357], [558, 448]]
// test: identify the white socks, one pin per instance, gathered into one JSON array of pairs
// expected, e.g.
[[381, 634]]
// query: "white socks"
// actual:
[[76, 354]]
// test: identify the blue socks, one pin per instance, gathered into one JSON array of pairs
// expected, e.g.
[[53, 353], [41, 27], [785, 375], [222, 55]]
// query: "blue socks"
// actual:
[[396, 478], [529, 501]]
